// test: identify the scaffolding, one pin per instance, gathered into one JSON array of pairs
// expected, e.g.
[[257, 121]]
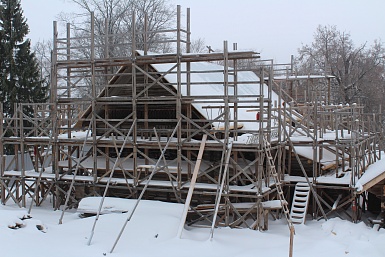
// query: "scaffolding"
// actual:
[[132, 126]]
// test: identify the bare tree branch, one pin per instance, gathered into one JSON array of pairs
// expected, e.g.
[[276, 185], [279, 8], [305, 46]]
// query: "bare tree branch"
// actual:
[[359, 71]]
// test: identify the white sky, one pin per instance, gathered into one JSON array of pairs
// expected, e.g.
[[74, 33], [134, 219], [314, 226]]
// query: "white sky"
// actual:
[[276, 28]]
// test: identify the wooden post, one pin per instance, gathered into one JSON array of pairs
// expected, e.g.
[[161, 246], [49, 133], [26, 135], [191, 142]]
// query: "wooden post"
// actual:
[[93, 85], [68, 115], [134, 97], [53, 109], [226, 176], [291, 249], [179, 99], [145, 34], [2, 157], [329, 91], [22, 155], [188, 86]]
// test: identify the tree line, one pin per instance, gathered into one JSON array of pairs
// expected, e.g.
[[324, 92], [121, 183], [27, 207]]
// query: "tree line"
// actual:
[[358, 70]]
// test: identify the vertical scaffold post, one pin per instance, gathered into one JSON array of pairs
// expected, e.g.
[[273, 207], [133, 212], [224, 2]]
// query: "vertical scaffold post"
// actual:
[[93, 85], [179, 99]]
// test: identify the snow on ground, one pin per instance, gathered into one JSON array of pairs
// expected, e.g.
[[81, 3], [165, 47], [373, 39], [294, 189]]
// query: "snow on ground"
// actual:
[[153, 228]]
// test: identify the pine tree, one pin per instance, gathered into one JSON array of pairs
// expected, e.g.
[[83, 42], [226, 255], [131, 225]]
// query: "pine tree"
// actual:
[[20, 79]]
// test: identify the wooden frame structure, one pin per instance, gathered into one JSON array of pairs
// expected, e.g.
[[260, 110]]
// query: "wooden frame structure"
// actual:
[[117, 126], [355, 143]]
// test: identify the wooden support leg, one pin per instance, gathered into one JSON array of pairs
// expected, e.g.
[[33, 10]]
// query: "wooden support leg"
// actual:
[[383, 205], [2, 190], [265, 219]]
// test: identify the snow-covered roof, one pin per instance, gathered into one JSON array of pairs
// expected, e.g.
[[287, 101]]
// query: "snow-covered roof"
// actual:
[[373, 174], [207, 79]]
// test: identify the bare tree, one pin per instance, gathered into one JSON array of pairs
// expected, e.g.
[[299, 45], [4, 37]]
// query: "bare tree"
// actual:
[[357, 70], [43, 51], [113, 30], [198, 46], [113, 19]]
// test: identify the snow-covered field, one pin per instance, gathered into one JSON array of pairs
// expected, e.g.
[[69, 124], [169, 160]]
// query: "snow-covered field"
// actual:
[[153, 228]]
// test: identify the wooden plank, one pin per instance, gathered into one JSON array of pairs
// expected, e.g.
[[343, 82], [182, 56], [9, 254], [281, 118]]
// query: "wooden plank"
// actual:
[[192, 185]]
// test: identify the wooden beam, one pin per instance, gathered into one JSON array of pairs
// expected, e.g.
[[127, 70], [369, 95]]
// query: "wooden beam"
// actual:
[[192, 185]]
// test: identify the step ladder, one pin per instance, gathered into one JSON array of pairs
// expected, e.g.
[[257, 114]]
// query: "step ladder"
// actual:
[[300, 203], [273, 171]]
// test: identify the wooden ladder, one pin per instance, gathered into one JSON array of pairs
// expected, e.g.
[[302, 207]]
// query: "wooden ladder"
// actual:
[[273, 171], [300, 202]]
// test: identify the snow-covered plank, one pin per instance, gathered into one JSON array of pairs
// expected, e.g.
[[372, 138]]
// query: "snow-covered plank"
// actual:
[[127, 164], [329, 179], [29, 174], [90, 205], [270, 205], [328, 156], [248, 189], [373, 174]]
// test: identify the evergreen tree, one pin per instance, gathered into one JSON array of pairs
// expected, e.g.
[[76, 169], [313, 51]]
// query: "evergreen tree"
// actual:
[[20, 79]]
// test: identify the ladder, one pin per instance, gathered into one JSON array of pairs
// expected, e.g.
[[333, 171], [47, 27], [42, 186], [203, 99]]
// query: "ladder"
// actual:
[[273, 171], [227, 155], [300, 202]]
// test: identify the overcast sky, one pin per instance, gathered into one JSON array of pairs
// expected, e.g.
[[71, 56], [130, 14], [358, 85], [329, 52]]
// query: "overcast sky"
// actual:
[[276, 28]]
